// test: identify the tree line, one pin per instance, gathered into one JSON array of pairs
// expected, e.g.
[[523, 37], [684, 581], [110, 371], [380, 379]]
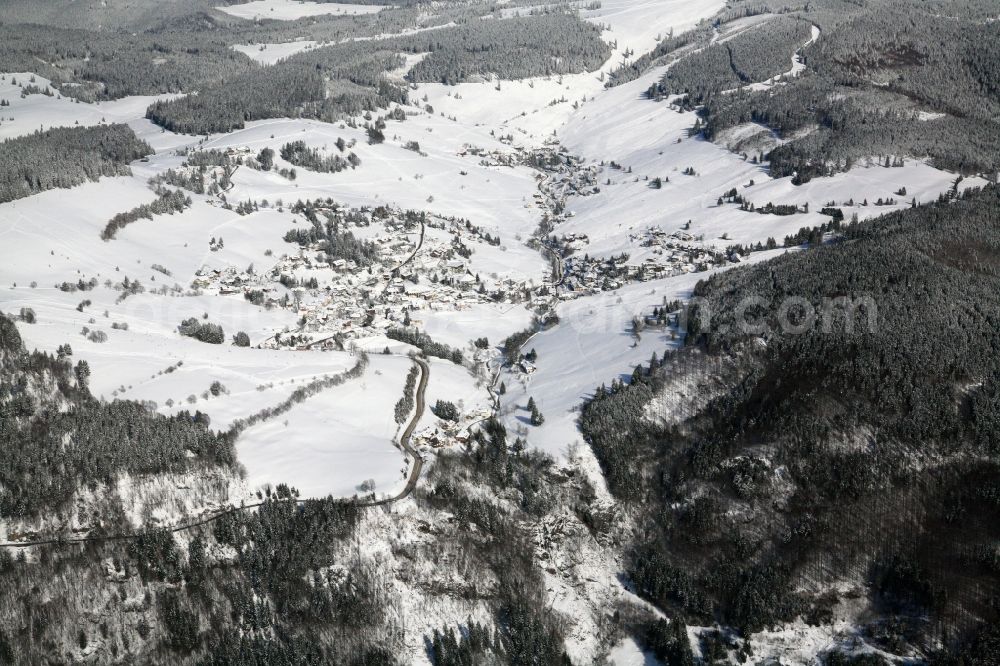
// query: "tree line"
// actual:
[[167, 203]]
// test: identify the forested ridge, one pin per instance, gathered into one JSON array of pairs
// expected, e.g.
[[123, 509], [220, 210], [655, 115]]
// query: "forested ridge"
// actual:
[[282, 90], [865, 453], [288, 594], [194, 54], [493, 531], [176, 54], [58, 439], [331, 81], [755, 54], [885, 78], [514, 48]]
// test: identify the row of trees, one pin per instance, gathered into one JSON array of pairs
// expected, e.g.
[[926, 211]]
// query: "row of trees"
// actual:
[[405, 404], [301, 394], [667, 49], [425, 343], [167, 203]]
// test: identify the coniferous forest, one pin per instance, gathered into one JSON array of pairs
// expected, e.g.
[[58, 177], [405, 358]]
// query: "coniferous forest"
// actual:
[[59, 443], [857, 95], [883, 425]]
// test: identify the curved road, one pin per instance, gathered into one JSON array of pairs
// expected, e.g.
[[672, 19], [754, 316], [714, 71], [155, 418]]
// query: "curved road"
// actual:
[[411, 484], [404, 440]]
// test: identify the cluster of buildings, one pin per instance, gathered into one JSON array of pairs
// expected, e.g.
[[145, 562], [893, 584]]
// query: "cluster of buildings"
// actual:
[[444, 433], [417, 269], [679, 252], [674, 254]]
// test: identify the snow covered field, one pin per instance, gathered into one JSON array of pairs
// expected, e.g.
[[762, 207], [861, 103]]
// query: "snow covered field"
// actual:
[[268, 54], [389, 174], [629, 653], [335, 441], [289, 10], [638, 24], [33, 112], [652, 140]]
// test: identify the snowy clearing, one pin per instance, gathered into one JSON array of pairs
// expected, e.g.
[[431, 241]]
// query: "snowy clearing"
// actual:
[[268, 54], [289, 10]]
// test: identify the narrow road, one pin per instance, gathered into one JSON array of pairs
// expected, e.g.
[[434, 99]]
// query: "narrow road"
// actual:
[[420, 244], [411, 484], [404, 440]]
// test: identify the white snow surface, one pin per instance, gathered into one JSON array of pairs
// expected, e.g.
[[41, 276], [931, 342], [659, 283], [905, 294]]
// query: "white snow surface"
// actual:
[[34, 112], [334, 441], [629, 653], [289, 10], [268, 54]]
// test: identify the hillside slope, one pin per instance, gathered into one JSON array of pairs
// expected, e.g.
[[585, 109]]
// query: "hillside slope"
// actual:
[[838, 447]]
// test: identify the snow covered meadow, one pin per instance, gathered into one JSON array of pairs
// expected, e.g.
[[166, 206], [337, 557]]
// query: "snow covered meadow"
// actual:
[[288, 10]]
